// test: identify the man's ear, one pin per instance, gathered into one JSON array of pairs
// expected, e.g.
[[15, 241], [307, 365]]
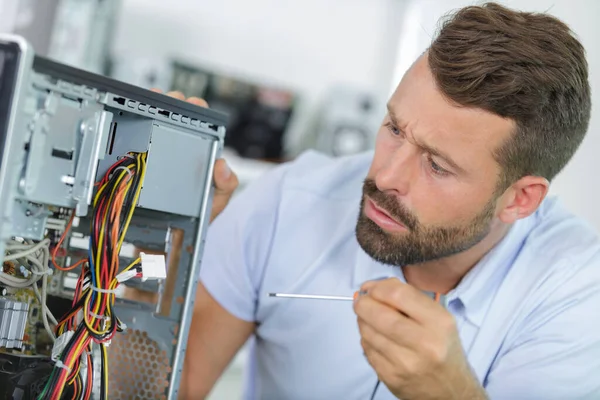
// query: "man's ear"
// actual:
[[522, 198]]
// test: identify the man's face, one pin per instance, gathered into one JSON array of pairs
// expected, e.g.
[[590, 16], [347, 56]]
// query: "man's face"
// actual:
[[432, 187]]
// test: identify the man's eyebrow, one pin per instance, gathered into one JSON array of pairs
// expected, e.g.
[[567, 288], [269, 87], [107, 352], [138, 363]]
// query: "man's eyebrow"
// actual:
[[438, 153], [424, 146], [392, 114]]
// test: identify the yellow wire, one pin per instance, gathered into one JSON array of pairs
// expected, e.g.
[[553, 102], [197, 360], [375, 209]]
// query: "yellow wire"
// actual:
[[133, 264], [142, 160], [70, 365], [121, 177], [101, 189], [104, 220], [103, 348], [75, 376], [86, 304], [97, 302]]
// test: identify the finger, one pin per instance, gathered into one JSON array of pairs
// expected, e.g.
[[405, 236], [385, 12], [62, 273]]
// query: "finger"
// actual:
[[378, 361], [406, 299], [225, 179], [368, 285], [176, 94], [197, 101], [225, 182], [157, 90], [388, 322], [375, 341], [387, 370]]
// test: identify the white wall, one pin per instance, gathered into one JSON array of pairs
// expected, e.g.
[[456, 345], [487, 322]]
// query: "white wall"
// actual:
[[578, 185], [306, 45]]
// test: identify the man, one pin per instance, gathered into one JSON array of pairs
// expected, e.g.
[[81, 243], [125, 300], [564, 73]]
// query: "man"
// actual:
[[473, 284]]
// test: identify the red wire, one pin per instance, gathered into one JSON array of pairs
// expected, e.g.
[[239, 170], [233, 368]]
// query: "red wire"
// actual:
[[57, 247], [107, 269], [90, 381]]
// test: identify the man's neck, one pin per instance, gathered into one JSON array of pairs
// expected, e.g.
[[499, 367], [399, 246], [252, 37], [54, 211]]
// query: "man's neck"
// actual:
[[443, 275]]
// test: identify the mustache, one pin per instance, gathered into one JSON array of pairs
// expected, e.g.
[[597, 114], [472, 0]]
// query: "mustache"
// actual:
[[390, 204]]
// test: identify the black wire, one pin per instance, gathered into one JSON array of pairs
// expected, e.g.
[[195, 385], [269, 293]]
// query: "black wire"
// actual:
[[105, 203], [58, 371], [103, 208], [375, 389], [130, 196]]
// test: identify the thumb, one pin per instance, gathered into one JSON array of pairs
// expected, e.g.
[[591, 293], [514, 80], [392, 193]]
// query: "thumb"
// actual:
[[225, 182], [224, 178]]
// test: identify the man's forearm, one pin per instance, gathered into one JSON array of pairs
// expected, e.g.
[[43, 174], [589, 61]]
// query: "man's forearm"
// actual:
[[472, 390], [215, 337]]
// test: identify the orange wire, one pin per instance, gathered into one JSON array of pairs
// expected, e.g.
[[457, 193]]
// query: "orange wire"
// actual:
[[74, 390], [437, 297], [62, 239], [119, 200]]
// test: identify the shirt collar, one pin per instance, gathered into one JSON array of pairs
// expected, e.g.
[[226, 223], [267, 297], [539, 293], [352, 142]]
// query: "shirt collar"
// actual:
[[477, 288], [367, 269]]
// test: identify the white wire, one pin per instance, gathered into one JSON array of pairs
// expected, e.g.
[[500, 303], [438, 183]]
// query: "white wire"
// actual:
[[28, 249], [37, 256], [39, 297]]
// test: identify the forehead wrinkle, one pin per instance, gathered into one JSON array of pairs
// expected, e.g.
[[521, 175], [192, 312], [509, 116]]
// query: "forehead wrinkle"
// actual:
[[420, 143]]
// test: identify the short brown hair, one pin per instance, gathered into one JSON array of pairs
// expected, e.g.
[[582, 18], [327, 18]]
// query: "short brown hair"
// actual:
[[527, 67]]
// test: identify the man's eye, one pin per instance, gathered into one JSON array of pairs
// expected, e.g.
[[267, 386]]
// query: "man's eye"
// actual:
[[393, 129], [436, 169]]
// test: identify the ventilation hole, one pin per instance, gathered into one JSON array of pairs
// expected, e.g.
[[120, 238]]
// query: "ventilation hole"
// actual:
[[64, 154], [111, 137], [131, 356]]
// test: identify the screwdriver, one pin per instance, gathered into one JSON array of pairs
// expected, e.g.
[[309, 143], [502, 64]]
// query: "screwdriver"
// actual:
[[437, 297], [314, 296]]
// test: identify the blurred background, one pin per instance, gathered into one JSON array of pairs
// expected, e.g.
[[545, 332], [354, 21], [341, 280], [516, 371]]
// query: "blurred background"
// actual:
[[292, 74]]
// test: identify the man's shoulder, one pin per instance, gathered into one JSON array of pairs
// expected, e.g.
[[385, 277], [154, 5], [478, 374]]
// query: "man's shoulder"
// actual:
[[561, 235], [560, 255]]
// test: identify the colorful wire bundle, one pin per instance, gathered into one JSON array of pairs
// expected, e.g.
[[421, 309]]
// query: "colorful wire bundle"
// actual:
[[92, 318]]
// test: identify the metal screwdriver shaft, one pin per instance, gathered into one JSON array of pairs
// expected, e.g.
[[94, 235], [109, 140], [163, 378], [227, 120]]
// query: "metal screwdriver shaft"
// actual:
[[312, 296]]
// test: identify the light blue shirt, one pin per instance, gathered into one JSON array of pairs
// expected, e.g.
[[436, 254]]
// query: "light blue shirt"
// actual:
[[528, 314]]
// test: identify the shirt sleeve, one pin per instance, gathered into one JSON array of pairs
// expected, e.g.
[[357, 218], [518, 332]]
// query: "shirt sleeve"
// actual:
[[557, 356], [238, 243]]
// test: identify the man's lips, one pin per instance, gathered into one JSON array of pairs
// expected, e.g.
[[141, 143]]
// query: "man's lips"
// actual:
[[382, 217]]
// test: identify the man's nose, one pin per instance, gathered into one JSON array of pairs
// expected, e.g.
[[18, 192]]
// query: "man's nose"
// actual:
[[398, 172]]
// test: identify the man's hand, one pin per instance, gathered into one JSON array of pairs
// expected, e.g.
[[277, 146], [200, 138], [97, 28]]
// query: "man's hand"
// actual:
[[413, 344], [225, 180]]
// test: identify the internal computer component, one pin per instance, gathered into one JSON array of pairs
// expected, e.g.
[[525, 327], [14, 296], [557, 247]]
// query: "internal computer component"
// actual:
[[13, 319], [105, 192]]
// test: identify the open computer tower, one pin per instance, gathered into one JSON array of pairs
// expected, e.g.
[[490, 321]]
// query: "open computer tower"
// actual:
[[105, 196]]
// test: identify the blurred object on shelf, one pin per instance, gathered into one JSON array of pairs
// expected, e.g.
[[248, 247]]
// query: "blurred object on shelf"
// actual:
[[74, 32], [9, 10], [259, 114], [347, 122], [146, 72]]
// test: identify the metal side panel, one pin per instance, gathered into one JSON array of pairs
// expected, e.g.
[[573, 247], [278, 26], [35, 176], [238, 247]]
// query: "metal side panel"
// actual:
[[61, 128], [16, 58], [55, 148], [177, 170]]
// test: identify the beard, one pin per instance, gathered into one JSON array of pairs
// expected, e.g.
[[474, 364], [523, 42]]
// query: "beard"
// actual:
[[419, 243]]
